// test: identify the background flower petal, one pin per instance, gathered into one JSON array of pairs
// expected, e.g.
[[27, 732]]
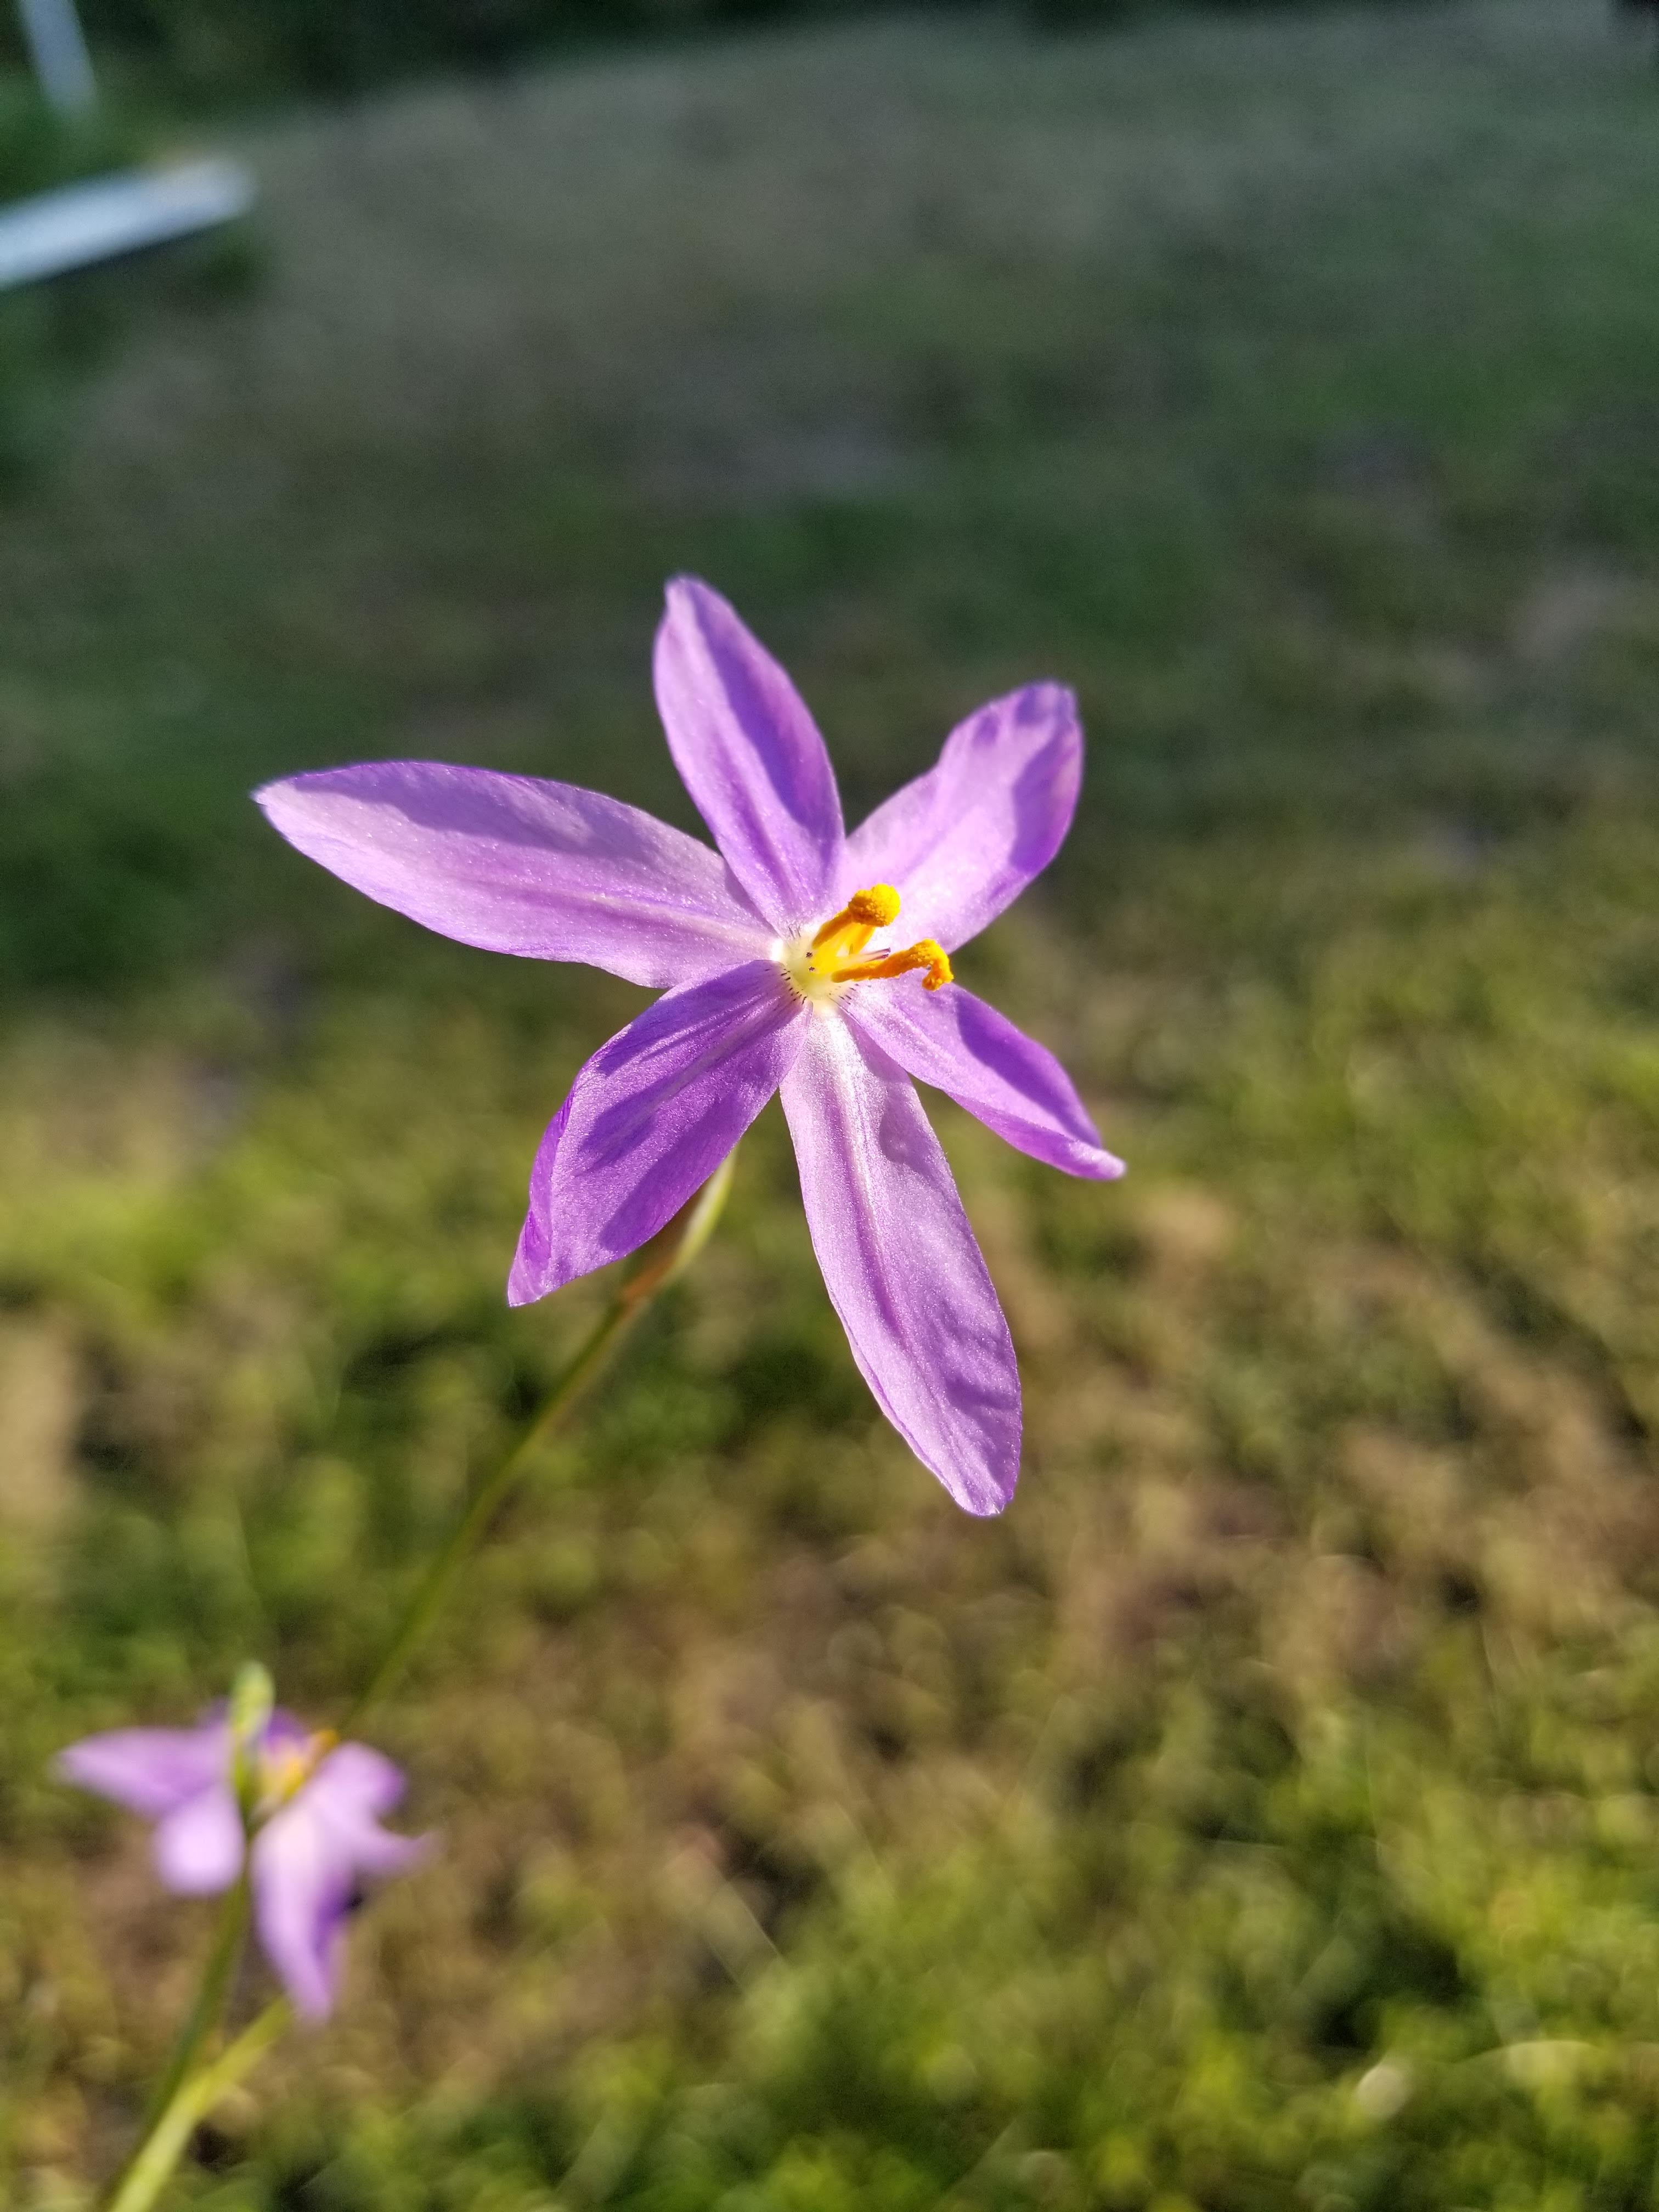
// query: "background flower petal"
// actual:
[[961, 841], [351, 1788], [149, 1770], [303, 1886], [286, 1731], [199, 1846], [902, 1264], [309, 1860], [650, 1118], [750, 756], [356, 1783], [514, 864], [976, 1055]]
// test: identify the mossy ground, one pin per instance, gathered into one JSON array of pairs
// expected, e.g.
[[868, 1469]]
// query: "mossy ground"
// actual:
[[1264, 1813]]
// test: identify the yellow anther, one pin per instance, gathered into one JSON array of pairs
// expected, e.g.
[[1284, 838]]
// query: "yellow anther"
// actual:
[[927, 953], [878, 905], [939, 972], [864, 911]]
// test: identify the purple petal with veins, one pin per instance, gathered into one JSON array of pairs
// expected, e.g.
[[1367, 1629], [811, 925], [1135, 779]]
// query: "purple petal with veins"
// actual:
[[977, 1056], [961, 841], [902, 1267], [650, 1118], [750, 756], [544, 870]]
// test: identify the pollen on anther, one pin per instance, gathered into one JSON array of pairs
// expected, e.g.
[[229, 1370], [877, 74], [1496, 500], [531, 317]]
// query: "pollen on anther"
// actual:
[[875, 908], [939, 964]]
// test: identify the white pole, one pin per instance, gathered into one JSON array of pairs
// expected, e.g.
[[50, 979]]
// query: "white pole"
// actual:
[[82, 223], [58, 51]]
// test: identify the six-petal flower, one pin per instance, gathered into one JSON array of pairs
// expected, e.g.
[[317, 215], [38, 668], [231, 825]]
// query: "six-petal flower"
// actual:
[[772, 983], [309, 1829]]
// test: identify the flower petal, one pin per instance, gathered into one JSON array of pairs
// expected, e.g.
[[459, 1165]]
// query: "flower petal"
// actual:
[[199, 1846], [286, 1731], [902, 1267], [351, 1788], [650, 1118], [963, 840], [303, 1878], [149, 1770], [976, 1055], [750, 756], [354, 1783], [309, 1860], [518, 865]]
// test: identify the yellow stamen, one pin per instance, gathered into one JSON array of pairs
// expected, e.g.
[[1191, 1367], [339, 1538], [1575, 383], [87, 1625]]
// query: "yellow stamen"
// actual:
[[926, 952], [845, 935], [836, 954], [284, 1773]]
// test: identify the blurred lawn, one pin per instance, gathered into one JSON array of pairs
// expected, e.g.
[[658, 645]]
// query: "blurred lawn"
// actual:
[[1266, 1813], [52, 335]]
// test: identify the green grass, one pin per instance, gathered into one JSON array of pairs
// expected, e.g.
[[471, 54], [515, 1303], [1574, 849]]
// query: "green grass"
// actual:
[[1265, 1813]]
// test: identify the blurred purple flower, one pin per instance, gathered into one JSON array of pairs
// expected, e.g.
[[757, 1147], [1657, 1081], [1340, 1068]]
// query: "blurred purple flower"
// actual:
[[314, 1814], [763, 951]]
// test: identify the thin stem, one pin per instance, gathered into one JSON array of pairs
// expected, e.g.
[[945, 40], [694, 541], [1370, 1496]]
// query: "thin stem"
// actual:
[[210, 1996], [487, 1502], [201, 2025], [188, 2104], [659, 1263]]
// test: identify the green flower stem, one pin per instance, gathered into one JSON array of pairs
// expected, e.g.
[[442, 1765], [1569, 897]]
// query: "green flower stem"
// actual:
[[211, 1995], [190, 2103], [189, 2090], [661, 1262], [201, 2025]]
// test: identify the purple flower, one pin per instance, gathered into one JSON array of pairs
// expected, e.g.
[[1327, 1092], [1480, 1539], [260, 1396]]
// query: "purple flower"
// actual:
[[313, 1821], [772, 983]]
